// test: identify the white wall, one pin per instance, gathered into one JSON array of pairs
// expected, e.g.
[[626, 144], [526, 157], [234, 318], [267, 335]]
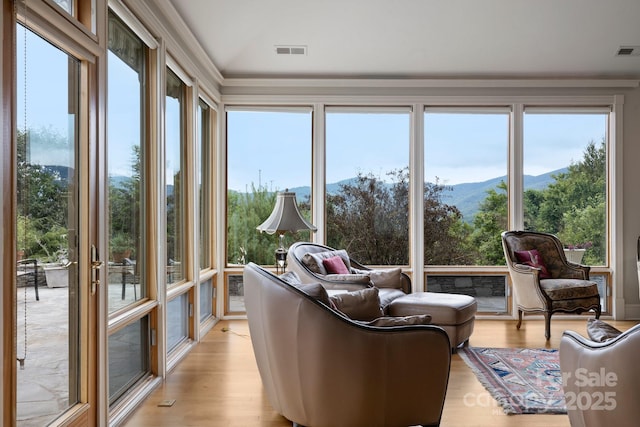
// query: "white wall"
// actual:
[[631, 202]]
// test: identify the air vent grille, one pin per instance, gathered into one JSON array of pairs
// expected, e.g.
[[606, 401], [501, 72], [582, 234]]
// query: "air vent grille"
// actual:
[[628, 51], [291, 50]]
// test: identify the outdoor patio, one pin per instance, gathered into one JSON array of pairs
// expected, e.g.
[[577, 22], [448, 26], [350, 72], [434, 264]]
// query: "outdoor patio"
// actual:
[[43, 382]]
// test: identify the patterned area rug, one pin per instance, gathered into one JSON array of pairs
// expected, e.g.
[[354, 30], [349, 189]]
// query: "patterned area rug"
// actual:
[[522, 380]]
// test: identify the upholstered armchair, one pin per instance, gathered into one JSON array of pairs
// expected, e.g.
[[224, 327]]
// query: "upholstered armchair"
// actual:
[[322, 369], [601, 380], [543, 280], [305, 259], [297, 262]]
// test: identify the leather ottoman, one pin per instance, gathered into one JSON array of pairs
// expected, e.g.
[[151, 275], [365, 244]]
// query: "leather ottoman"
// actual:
[[452, 312]]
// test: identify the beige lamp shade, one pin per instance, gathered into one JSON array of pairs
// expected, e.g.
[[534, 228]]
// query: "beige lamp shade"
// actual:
[[285, 216]]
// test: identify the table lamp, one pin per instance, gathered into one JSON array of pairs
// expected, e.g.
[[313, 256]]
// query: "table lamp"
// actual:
[[285, 217]]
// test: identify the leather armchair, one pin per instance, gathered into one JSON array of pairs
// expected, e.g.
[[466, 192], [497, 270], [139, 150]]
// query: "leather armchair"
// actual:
[[567, 289], [601, 380], [294, 262], [320, 368]]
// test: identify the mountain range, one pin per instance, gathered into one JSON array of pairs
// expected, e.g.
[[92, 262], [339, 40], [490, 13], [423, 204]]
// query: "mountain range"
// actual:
[[465, 196]]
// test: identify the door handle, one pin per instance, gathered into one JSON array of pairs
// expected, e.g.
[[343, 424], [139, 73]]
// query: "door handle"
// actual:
[[96, 265]]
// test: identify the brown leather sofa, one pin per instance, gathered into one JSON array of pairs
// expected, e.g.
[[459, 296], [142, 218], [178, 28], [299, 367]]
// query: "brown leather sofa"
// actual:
[[321, 369], [601, 380]]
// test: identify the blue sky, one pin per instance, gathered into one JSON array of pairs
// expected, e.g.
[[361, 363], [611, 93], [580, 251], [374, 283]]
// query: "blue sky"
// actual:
[[274, 148]]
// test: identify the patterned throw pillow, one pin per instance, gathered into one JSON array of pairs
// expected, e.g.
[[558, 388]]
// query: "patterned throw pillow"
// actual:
[[533, 259]]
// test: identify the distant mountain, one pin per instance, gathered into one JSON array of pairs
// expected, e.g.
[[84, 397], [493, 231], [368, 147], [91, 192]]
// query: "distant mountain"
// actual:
[[466, 196]]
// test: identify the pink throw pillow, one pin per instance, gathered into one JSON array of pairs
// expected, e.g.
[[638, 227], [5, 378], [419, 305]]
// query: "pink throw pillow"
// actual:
[[335, 265], [533, 259]]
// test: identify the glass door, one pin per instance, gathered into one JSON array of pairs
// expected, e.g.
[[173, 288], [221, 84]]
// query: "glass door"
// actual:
[[49, 294]]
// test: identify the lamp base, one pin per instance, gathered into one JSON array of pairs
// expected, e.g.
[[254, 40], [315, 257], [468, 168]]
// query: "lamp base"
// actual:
[[281, 260]]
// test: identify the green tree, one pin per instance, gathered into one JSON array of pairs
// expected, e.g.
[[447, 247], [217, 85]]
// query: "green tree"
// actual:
[[42, 198], [445, 233], [488, 223], [574, 206], [124, 209]]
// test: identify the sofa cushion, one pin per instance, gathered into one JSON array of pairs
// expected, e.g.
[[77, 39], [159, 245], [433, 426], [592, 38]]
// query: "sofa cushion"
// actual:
[[313, 260], [358, 305], [362, 279], [386, 278], [600, 331], [386, 321], [335, 265], [387, 295], [532, 258], [291, 277], [316, 291], [568, 289]]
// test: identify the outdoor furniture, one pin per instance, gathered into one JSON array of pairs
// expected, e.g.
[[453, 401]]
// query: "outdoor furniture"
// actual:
[[129, 276], [320, 368], [23, 270], [543, 280]]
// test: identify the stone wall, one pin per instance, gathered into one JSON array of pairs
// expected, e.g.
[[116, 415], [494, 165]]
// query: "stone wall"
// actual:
[[474, 285]]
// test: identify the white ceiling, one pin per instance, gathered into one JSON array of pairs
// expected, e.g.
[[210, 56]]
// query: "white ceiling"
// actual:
[[418, 38]]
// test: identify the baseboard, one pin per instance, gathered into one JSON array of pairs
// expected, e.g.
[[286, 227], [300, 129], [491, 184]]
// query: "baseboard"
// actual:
[[631, 312]]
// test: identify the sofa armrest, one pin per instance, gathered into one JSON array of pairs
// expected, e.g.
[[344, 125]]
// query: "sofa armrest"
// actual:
[[318, 366], [599, 379]]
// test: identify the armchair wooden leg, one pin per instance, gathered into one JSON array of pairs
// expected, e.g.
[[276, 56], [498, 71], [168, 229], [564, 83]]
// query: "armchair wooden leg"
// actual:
[[598, 312], [519, 319], [547, 325]]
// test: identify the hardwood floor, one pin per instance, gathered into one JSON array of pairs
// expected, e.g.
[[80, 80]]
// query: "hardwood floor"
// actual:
[[218, 383]]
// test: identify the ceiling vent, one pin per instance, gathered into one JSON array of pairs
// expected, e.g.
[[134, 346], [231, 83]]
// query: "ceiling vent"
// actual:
[[291, 50], [628, 51]]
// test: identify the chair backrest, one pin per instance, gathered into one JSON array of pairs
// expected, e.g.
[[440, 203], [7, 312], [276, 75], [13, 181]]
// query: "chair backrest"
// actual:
[[548, 246], [320, 368], [601, 381], [298, 250]]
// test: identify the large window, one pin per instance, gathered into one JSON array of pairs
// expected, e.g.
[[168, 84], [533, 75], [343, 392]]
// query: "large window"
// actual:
[[465, 190], [175, 175], [125, 149], [128, 346], [367, 183], [565, 179], [204, 144], [267, 152], [205, 183]]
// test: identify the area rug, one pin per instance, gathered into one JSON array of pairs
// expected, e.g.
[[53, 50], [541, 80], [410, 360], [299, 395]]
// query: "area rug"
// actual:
[[522, 380]]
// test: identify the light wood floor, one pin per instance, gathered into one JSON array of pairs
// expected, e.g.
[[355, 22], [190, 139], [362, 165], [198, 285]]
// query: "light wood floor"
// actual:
[[218, 383]]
